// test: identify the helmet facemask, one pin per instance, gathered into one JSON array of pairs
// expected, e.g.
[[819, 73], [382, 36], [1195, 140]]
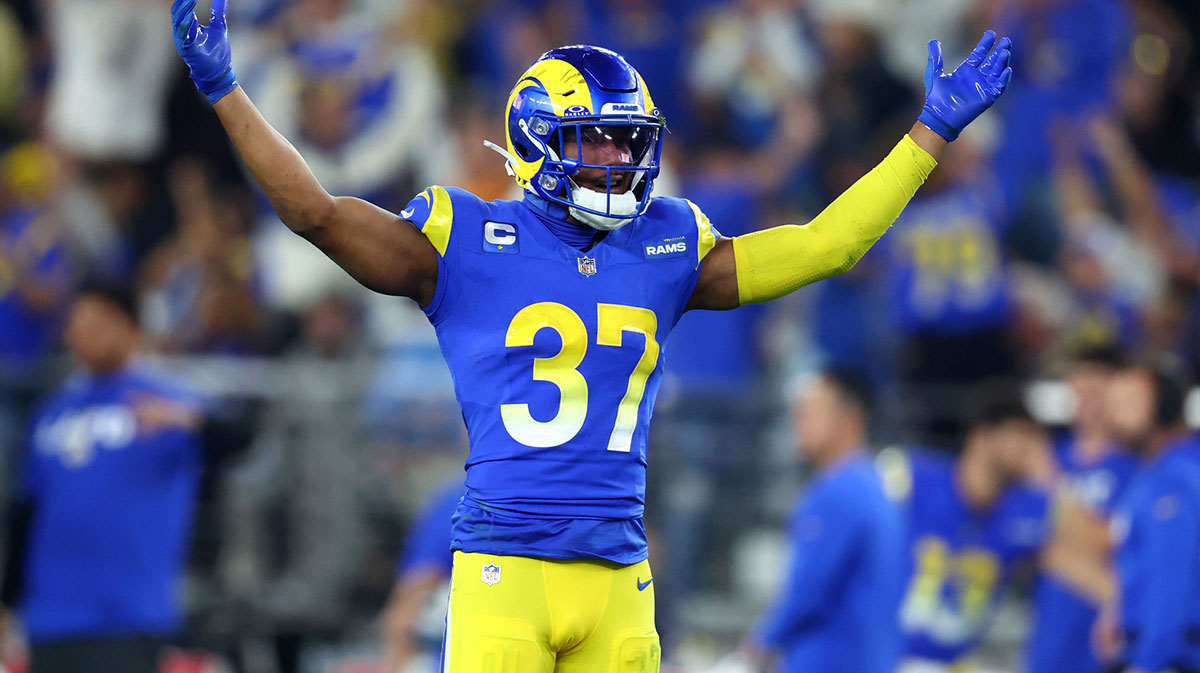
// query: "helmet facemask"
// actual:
[[602, 170], [610, 183]]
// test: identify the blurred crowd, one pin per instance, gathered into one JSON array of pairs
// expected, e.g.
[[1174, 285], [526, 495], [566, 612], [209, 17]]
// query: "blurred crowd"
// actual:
[[1066, 220]]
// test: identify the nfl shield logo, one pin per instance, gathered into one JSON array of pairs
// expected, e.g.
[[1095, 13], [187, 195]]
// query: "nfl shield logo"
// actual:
[[587, 266], [491, 574]]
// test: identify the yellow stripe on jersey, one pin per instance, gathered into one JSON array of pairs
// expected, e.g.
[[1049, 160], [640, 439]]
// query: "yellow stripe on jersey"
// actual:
[[705, 239], [441, 217], [780, 260]]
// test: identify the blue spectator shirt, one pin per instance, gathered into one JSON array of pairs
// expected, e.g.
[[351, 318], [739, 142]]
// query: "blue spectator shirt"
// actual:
[[1157, 530], [428, 545], [845, 578], [113, 503]]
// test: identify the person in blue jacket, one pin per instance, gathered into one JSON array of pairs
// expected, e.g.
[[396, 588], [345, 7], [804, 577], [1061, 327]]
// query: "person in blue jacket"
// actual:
[[99, 529], [846, 573], [1153, 625]]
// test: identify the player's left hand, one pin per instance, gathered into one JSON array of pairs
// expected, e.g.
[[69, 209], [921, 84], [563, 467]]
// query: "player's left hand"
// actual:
[[953, 100], [205, 49]]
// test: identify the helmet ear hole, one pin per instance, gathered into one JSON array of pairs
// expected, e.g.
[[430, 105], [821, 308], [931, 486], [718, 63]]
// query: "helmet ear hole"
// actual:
[[522, 150]]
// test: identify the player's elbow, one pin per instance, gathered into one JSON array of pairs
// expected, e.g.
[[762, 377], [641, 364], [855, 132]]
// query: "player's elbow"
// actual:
[[312, 220], [842, 263]]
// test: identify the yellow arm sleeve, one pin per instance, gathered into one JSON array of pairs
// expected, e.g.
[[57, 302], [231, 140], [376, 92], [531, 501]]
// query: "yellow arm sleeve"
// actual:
[[780, 260]]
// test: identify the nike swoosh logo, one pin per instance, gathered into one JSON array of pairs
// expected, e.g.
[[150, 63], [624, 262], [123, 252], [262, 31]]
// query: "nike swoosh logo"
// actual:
[[642, 585], [407, 214]]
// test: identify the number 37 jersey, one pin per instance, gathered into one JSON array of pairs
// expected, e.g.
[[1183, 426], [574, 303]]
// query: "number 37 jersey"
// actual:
[[555, 355]]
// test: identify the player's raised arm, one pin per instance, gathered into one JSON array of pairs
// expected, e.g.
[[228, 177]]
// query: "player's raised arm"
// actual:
[[376, 247], [771, 263]]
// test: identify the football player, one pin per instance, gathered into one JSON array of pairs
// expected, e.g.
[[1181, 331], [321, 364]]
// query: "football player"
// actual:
[[972, 521], [550, 312]]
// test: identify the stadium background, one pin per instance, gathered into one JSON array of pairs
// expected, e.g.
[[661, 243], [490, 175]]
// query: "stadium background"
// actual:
[[1069, 217]]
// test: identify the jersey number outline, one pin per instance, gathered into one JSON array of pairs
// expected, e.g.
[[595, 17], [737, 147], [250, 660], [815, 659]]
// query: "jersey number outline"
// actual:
[[562, 369], [974, 573]]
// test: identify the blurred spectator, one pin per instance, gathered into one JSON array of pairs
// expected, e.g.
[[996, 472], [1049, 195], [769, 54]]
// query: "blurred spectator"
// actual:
[[298, 535], [197, 285], [651, 35], [947, 271], [1157, 88], [864, 106], [1070, 52], [99, 530], [1076, 569], [35, 262], [364, 109], [752, 58], [1153, 624], [415, 616], [36, 274], [112, 66], [507, 35], [845, 578], [972, 521]]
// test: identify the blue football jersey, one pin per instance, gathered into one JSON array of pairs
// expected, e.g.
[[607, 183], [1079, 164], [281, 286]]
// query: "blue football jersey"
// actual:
[[945, 261], [1060, 640], [113, 502], [960, 560], [555, 358]]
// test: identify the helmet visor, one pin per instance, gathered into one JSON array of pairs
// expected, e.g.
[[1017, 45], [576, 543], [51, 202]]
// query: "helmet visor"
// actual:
[[627, 144]]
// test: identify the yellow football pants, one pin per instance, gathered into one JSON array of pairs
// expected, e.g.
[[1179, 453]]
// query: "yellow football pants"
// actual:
[[513, 614]]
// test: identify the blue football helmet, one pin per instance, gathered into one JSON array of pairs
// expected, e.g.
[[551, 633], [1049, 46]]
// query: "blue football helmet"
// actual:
[[576, 96]]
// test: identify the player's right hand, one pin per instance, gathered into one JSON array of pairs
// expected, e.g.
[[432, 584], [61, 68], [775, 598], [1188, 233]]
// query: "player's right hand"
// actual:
[[955, 99], [205, 49]]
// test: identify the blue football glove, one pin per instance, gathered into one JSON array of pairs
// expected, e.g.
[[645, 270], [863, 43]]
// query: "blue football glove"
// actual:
[[205, 49], [954, 100]]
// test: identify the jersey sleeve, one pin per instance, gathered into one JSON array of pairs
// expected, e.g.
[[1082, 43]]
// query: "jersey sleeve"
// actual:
[[706, 234], [432, 212], [435, 212], [690, 228]]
